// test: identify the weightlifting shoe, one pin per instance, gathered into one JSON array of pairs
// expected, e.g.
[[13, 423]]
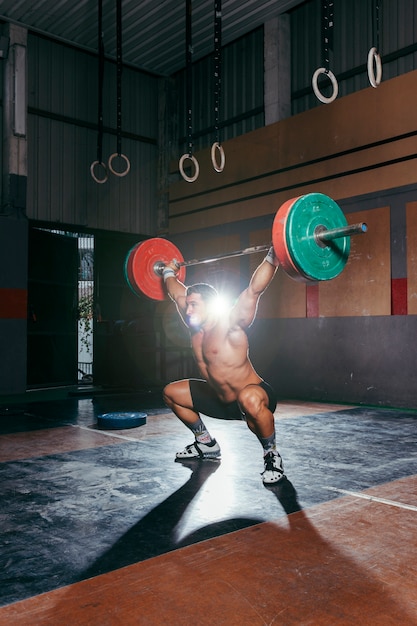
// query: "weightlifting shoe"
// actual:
[[198, 450], [274, 470]]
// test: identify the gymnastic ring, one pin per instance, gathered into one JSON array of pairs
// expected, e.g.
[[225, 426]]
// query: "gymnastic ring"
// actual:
[[373, 55], [189, 179], [332, 78], [100, 181], [214, 147], [115, 172]]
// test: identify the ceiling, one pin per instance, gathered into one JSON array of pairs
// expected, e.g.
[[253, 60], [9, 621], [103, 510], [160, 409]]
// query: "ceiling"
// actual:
[[153, 31]]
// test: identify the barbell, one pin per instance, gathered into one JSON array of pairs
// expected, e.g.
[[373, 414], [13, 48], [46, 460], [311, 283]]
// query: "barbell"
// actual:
[[310, 235]]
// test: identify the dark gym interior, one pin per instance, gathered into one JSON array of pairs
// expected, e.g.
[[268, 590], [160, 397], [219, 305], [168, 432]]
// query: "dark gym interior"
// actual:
[[194, 127]]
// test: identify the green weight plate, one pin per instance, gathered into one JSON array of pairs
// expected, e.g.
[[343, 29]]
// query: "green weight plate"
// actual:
[[128, 274], [310, 214]]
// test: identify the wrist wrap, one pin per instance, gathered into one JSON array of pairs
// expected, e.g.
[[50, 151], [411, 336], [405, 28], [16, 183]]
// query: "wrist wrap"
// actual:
[[167, 272], [270, 257]]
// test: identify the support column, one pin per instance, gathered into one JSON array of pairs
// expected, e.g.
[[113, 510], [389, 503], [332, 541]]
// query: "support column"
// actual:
[[13, 222], [277, 59], [15, 123]]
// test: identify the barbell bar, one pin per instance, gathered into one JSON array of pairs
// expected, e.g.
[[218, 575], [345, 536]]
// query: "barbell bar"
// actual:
[[218, 257], [310, 235], [321, 236]]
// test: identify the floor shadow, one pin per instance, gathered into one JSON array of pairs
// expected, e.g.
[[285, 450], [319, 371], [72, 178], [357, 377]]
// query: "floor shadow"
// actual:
[[289, 570], [157, 532]]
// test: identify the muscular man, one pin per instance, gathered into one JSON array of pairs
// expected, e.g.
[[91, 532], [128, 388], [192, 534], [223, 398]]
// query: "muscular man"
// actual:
[[230, 387]]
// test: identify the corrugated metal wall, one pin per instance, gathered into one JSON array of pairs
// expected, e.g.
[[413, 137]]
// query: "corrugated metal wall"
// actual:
[[62, 141], [355, 32], [242, 93], [63, 91]]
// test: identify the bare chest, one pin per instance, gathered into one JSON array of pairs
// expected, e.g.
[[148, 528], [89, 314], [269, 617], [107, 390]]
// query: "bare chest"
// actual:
[[218, 345]]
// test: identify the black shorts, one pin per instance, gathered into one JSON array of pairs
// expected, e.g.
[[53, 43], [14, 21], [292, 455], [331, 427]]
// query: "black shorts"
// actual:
[[206, 401]]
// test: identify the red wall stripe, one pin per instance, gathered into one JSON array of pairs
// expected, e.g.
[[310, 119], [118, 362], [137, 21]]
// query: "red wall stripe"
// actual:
[[13, 304], [399, 296]]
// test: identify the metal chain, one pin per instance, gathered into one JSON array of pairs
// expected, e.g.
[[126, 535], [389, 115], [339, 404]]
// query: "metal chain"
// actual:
[[119, 75], [376, 25], [188, 74], [327, 32], [217, 66], [100, 82]]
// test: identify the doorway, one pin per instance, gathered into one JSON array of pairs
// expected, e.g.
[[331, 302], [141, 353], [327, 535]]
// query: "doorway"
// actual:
[[60, 308], [85, 308]]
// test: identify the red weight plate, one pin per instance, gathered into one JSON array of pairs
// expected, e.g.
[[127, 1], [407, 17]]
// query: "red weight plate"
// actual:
[[280, 242], [141, 262]]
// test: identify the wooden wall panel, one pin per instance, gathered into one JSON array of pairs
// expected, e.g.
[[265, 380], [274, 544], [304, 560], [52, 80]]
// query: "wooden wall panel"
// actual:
[[364, 286], [284, 297], [62, 143], [411, 213], [360, 144]]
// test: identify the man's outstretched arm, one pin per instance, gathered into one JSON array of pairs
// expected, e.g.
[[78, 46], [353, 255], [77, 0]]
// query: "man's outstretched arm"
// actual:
[[244, 311], [175, 288]]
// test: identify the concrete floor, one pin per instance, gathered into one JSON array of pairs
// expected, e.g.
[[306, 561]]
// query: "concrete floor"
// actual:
[[103, 527]]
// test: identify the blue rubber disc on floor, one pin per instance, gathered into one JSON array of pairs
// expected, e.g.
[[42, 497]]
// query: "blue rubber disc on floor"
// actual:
[[121, 420]]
